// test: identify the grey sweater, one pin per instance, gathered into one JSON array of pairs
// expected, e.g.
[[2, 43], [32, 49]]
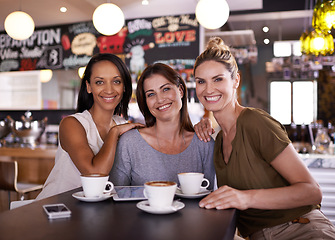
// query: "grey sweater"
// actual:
[[136, 162]]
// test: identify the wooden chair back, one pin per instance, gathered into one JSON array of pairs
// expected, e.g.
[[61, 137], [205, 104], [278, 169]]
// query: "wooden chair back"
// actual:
[[8, 175]]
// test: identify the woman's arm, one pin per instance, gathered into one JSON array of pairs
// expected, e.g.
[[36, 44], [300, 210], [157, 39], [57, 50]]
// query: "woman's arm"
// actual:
[[74, 141], [303, 189]]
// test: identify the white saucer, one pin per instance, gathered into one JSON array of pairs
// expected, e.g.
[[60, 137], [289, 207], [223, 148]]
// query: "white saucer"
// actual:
[[176, 206], [80, 196], [203, 192]]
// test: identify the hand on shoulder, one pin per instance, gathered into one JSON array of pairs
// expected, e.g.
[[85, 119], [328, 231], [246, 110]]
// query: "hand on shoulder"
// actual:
[[122, 128], [204, 129]]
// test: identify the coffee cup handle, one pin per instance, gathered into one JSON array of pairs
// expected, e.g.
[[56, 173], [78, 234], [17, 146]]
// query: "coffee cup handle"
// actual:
[[145, 194], [109, 187], [207, 185]]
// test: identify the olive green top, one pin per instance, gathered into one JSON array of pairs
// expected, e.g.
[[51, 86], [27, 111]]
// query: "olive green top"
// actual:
[[259, 139]]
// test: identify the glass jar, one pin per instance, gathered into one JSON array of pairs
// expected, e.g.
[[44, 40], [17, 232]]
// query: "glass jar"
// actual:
[[322, 140]]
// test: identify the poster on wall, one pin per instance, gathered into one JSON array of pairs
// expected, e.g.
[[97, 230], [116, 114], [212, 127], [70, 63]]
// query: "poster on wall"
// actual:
[[169, 39]]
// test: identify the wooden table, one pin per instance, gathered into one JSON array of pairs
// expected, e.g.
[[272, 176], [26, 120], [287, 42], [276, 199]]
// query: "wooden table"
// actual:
[[116, 220]]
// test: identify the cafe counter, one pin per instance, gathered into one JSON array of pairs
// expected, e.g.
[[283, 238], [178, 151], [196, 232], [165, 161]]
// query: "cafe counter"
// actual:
[[34, 163], [322, 168]]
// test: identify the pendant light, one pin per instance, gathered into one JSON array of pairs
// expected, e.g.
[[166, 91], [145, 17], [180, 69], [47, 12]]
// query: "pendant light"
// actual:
[[320, 41], [212, 14], [324, 15], [317, 43], [19, 25], [81, 71], [45, 75], [108, 19]]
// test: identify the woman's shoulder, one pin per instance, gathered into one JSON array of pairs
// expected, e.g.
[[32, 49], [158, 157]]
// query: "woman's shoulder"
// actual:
[[130, 136], [74, 119], [250, 112], [257, 120], [256, 117], [81, 117], [198, 143]]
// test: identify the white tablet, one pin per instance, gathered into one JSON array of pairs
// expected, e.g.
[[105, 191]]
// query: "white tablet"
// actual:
[[128, 193]]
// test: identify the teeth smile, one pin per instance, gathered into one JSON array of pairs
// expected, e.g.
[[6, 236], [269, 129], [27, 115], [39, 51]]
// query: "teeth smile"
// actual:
[[213, 98], [108, 98], [164, 107]]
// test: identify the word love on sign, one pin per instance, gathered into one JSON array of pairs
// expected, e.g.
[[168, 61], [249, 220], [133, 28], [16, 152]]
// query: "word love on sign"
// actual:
[[179, 36]]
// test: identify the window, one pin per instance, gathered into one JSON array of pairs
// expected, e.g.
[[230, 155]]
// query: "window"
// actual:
[[293, 101]]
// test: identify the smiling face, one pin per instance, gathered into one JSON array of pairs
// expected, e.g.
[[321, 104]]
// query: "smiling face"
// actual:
[[106, 85], [215, 87], [163, 98]]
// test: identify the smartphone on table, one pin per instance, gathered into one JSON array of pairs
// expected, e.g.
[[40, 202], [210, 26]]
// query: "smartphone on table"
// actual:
[[58, 210]]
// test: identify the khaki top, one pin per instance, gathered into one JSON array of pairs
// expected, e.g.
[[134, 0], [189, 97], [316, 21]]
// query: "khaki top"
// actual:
[[259, 139]]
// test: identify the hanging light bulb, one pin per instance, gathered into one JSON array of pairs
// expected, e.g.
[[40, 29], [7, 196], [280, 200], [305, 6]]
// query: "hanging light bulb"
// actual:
[[324, 15], [45, 75], [81, 71], [317, 43], [108, 19], [19, 25], [304, 39], [212, 14]]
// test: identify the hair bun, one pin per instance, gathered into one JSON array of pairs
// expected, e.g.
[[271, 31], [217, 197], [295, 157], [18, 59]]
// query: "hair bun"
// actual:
[[217, 42]]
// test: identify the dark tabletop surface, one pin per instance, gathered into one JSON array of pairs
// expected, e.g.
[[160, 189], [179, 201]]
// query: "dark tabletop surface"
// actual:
[[115, 220]]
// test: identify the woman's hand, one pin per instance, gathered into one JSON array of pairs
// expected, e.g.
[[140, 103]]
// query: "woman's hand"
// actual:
[[204, 129], [122, 128], [226, 197]]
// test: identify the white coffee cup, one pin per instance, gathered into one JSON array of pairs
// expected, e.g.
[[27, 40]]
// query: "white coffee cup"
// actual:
[[160, 194], [191, 182], [94, 185]]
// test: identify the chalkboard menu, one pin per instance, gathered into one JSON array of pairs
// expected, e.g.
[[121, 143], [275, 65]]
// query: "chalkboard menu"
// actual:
[[170, 39]]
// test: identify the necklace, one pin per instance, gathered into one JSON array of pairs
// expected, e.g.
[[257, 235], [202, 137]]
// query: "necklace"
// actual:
[[159, 146]]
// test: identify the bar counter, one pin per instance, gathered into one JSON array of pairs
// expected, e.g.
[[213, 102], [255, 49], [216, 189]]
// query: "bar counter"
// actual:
[[34, 163], [42, 151]]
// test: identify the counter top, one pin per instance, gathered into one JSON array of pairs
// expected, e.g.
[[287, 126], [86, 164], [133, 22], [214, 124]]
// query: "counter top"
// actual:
[[41, 151], [318, 160]]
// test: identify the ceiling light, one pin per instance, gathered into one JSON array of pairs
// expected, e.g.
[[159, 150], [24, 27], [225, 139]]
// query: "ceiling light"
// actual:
[[212, 14], [45, 75], [81, 71], [108, 19], [324, 15], [266, 41], [145, 2], [19, 25], [63, 9], [265, 29], [317, 43]]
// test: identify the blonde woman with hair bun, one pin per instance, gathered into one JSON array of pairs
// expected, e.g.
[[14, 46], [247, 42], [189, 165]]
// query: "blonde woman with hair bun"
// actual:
[[257, 168]]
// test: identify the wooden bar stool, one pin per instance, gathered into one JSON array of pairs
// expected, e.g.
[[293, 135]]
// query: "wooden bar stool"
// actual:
[[8, 180]]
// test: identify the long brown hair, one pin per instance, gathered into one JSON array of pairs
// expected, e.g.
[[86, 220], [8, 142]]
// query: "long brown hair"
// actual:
[[173, 77]]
